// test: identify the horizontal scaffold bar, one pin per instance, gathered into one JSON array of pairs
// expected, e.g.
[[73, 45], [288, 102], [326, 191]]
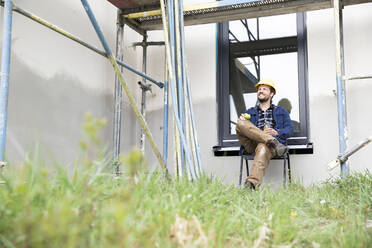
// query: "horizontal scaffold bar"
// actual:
[[149, 43], [81, 42]]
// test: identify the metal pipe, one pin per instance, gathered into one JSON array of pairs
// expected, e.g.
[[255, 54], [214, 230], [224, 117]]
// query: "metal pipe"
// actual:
[[165, 112], [179, 73], [172, 40], [189, 135], [341, 94], [185, 107], [171, 80], [344, 157], [159, 84], [166, 109], [81, 42], [193, 125], [125, 87], [169, 76], [149, 43], [144, 89], [165, 123], [357, 77], [118, 97], [5, 69], [170, 22], [188, 92], [177, 144]]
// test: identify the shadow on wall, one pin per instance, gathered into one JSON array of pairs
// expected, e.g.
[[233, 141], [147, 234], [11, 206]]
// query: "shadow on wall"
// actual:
[[50, 111], [287, 105]]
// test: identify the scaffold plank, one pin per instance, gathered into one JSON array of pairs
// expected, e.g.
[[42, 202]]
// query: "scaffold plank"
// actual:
[[131, 6], [123, 4], [230, 10]]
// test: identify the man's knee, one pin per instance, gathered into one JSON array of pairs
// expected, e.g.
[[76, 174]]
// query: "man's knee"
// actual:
[[243, 124], [261, 147], [239, 123]]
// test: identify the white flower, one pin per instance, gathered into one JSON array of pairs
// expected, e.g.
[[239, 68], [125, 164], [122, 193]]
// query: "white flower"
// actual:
[[270, 217], [322, 202]]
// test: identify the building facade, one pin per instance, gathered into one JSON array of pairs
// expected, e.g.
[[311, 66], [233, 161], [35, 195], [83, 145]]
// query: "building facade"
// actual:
[[54, 82]]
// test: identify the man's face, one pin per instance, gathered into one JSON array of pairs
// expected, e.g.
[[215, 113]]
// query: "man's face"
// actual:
[[264, 93]]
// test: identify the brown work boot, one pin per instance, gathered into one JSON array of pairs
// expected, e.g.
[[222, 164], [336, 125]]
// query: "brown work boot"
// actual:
[[280, 149], [249, 185]]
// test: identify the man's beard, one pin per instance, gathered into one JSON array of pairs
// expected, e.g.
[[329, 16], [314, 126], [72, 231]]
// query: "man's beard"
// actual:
[[263, 100]]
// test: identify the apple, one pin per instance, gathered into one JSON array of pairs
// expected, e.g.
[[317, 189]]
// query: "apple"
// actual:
[[247, 116]]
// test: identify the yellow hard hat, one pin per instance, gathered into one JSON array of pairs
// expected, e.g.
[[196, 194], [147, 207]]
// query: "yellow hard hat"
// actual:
[[267, 82]]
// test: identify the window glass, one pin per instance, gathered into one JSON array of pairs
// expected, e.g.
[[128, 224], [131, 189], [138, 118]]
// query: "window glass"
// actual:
[[278, 26], [282, 69], [269, 27], [238, 30]]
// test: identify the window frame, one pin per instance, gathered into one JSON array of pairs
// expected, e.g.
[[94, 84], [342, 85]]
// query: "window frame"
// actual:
[[225, 139]]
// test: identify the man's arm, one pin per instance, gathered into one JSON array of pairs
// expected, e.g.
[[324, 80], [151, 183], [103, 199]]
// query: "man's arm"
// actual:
[[287, 130]]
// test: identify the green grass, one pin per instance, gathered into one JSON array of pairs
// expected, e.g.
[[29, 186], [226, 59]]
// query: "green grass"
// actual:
[[81, 205], [47, 207]]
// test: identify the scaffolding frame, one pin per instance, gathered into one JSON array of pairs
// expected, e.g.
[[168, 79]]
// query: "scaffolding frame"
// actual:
[[151, 20], [228, 10]]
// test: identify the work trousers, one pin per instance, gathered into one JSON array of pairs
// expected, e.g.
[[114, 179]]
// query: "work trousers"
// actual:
[[254, 140]]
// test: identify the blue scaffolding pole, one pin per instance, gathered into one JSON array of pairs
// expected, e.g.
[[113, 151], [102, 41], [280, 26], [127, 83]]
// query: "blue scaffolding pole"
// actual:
[[187, 89], [341, 92], [5, 69], [172, 83], [117, 99]]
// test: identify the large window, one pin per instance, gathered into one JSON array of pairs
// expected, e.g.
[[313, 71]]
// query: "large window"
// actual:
[[269, 47]]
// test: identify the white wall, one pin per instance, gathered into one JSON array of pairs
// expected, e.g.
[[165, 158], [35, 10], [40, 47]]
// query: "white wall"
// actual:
[[54, 81], [323, 106]]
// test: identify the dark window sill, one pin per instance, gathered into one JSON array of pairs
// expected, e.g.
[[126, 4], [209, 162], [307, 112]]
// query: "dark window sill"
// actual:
[[220, 151]]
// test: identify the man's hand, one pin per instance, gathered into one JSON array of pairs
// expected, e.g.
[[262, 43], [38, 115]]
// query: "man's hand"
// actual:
[[271, 131]]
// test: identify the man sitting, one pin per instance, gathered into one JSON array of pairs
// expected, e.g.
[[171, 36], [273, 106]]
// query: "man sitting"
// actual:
[[264, 132]]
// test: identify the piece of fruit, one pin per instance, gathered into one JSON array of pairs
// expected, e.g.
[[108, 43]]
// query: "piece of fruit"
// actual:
[[247, 116]]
